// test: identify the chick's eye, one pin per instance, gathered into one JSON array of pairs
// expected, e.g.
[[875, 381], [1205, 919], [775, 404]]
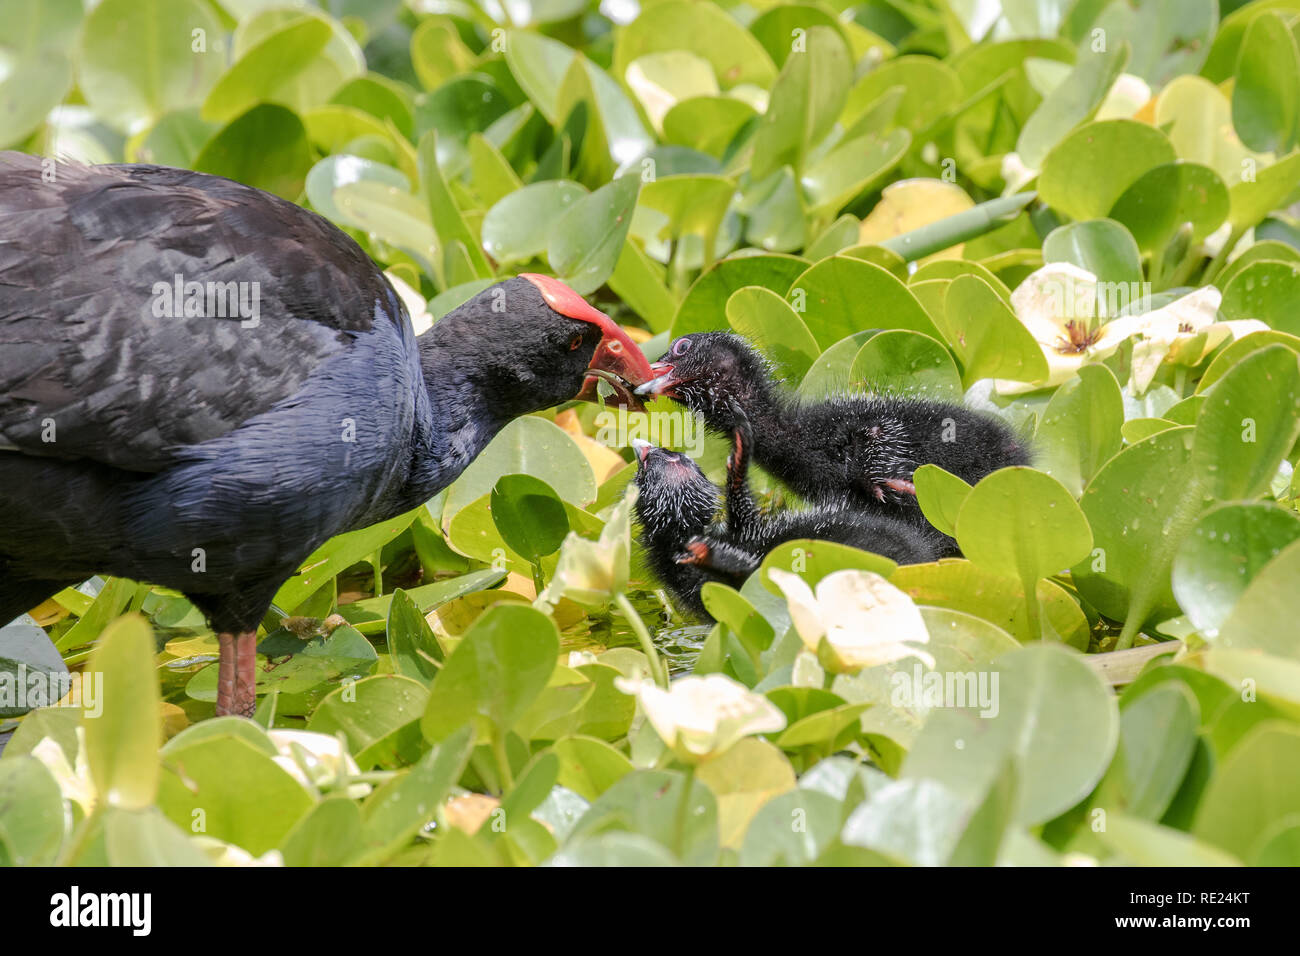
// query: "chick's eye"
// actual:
[[575, 342], [681, 347]]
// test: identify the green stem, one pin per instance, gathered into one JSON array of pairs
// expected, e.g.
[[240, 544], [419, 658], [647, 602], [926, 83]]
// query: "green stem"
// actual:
[[643, 636], [376, 564], [1221, 259], [503, 761], [539, 582], [683, 812]]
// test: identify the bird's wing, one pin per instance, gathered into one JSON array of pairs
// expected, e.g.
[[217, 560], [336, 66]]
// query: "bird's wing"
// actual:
[[101, 271]]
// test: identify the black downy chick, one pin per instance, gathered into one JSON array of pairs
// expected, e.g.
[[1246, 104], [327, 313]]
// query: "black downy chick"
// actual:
[[861, 449], [686, 548]]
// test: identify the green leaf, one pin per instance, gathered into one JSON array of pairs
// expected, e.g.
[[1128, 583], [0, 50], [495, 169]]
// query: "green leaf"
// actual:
[[414, 650], [1263, 617], [707, 123], [705, 305], [907, 363], [586, 242], [529, 515], [940, 495], [703, 29], [1165, 197], [832, 293], [266, 147], [518, 226], [986, 336], [266, 68], [145, 837], [330, 835], [1266, 290], [336, 555], [1081, 178], [122, 741], [766, 320], [1157, 738], [1266, 94], [1080, 428], [1100, 246], [447, 220], [1072, 102], [495, 673], [368, 710], [1227, 549], [805, 102], [137, 63], [1254, 788], [1055, 717], [31, 813], [589, 766], [1142, 843]]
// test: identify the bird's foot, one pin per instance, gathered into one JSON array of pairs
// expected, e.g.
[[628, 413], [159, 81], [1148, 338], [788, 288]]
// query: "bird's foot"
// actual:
[[697, 552], [237, 674]]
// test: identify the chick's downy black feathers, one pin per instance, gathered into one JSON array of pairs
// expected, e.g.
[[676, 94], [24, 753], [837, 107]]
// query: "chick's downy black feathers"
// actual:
[[857, 449]]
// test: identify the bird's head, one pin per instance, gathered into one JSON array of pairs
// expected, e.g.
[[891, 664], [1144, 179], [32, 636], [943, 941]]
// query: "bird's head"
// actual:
[[533, 343], [675, 497], [711, 373]]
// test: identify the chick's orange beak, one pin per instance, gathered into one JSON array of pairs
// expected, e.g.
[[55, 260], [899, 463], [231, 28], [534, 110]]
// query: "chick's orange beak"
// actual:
[[617, 358]]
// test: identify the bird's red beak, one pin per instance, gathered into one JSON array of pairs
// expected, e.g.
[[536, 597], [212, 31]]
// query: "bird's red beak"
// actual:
[[617, 359]]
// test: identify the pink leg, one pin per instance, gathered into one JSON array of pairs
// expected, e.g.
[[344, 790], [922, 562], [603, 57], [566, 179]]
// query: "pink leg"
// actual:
[[237, 674]]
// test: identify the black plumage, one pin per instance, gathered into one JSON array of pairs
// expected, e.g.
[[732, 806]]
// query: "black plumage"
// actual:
[[859, 449], [212, 453], [686, 547]]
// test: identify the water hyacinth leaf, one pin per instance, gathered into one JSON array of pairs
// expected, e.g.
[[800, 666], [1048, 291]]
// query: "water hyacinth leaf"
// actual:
[[830, 374], [266, 147], [995, 597], [766, 320], [704, 308], [587, 240], [662, 80], [122, 742], [814, 560], [1257, 785], [1248, 424], [1073, 101], [369, 710], [589, 766], [1003, 525], [1266, 94], [988, 339], [336, 555], [218, 775], [690, 204], [39, 67], [1253, 197], [915, 821], [707, 123], [1227, 549], [940, 495], [613, 135], [646, 802], [805, 102], [337, 171], [1080, 178], [771, 841], [1139, 506], [930, 86], [1100, 246], [1266, 290], [266, 71], [1080, 429], [851, 169], [136, 62], [1262, 619], [832, 293], [1055, 717], [414, 650], [31, 830], [497, 670], [529, 515], [447, 220], [743, 778], [907, 363], [1165, 197], [526, 446], [703, 29], [1238, 350], [1157, 738]]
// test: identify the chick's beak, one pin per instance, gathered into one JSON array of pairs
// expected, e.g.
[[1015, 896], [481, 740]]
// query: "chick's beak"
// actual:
[[642, 449], [662, 381]]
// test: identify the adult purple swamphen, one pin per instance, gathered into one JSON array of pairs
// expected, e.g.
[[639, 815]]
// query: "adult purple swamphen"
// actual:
[[200, 383]]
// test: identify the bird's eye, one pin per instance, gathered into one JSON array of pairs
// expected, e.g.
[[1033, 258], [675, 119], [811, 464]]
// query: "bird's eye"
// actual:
[[575, 342], [681, 347], [614, 346]]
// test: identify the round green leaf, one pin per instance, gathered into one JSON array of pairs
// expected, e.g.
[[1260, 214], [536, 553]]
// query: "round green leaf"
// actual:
[[1263, 618], [1080, 428], [1165, 197], [1102, 247], [1055, 717], [940, 495], [705, 307], [587, 240], [122, 742], [266, 147], [986, 336], [529, 515], [518, 226], [907, 363], [1255, 787], [1227, 549], [832, 294], [766, 320], [1081, 177], [1266, 290], [1266, 94]]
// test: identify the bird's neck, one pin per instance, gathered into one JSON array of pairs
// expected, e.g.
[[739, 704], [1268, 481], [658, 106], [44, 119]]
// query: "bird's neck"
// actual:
[[457, 415], [774, 418]]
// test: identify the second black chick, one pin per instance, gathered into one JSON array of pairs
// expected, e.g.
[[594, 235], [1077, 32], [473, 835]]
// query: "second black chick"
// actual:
[[862, 449], [686, 547]]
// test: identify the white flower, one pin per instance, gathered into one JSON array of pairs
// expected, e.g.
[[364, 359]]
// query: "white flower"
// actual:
[[1064, 309], [1128, 95], [317, 760], [700, 717], [592, 572], [227, 854], [856, 619]]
